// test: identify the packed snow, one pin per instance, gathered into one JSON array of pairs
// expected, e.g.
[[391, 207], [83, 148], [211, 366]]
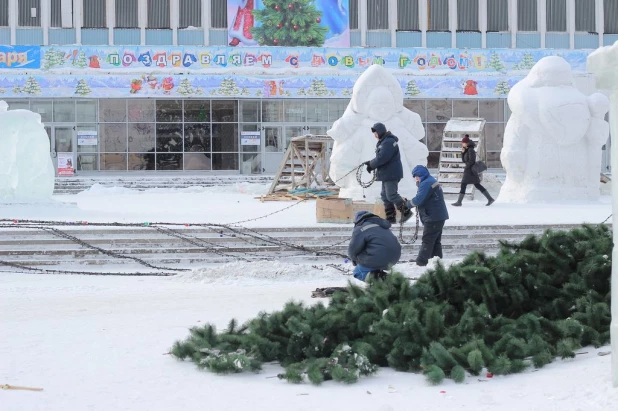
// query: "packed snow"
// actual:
[[26, 169]]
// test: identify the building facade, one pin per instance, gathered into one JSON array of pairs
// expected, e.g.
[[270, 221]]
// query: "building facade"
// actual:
[[128, 85]]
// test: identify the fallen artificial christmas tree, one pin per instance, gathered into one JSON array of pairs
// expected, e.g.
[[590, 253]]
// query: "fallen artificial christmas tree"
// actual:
[[537, 300]]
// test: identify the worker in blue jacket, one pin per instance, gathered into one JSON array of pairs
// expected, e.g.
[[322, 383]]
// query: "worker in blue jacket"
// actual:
[[432, 211]]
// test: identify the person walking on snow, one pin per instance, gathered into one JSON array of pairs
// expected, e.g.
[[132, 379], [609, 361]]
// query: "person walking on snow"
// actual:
[[373, 247], [431, 208], [388, 168], [468, 156]]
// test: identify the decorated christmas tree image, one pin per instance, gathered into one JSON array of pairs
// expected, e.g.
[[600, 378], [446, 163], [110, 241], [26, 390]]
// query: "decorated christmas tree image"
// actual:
[[412, 88], [301, 92], [228, 87], [245, 91], [53, 58], [16, 89], [289, 23], [32, 86], [346, 92], [317, 88], [495, 62], [526, 63], [82, 61], [185, 87], [502, 88], [82, 88], [259, 93]]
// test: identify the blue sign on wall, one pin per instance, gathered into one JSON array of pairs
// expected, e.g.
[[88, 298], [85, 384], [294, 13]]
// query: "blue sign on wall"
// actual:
[[20, 57]]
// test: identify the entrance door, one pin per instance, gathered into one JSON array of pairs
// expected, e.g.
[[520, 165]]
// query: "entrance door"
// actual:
[[63, 144], [274, 148]]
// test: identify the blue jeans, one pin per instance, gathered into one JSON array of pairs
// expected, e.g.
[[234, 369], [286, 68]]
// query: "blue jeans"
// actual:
[[360, 272]]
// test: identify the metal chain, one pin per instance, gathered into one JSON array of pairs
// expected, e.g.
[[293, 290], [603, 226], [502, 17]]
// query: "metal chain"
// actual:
[[26, 270], [415, 236]]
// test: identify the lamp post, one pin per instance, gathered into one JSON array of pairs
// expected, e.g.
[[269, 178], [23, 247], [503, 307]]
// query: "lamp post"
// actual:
[[603, 63]]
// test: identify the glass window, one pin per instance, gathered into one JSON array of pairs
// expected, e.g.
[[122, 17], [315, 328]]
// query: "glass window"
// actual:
[[197, 110], [250, 111], [585, 16], [142, 161], [113, 138], [197, 137], [377, 14], [437, 11], [491, 110], [272, 111], [494, 135], [417, 106], [158, 14], [218, 14], [224, 111], [197, 161], [498, 15], [294, 111], [43, 107], [141, 110], [86, 111], [526, 15], [29, 13], [61, 16], [64, 111], [468, 15], [126, 14], [113, 162], [353, 14], [434, 136], [610, 16], [112, 110], [141, 137], [493, 160], [4, 13], [169, 137], [224, 137], [169, 111], [225, 161], [336, 109], [555, 16], [433, 160], [317, 111], [169, 161], [190, 13], [465, 108], [407, 15], [94, 14], [439, 110], [87, 162]]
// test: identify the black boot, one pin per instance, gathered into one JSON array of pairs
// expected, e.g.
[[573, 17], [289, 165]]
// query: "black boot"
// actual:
[[391, 213], [490, 200], [406, 212], [459, 200]]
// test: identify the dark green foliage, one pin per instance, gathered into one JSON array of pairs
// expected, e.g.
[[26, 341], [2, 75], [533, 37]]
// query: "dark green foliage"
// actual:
[[535, 301]]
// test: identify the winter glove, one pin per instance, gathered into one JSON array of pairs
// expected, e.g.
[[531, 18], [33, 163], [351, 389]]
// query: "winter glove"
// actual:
[[368, 165], [354, 263]]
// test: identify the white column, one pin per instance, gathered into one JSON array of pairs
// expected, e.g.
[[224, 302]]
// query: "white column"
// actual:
[[422, 15], [78, 19], [110, 20], [571, 22], [362, 21], [600, 23], [483, 22], [392, 22], [541, 20], [174, 10], [452, 21], [45, 19], [206, 22], [13, 21], [142, 16], [513, 22], [613, 122]]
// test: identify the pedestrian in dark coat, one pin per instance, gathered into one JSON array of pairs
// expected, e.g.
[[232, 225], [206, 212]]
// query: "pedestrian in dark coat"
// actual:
[[432, 211], [388, 168], [468, 156], [373, 246]]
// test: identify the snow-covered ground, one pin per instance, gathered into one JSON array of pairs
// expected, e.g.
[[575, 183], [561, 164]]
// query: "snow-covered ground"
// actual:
[[99, 344]]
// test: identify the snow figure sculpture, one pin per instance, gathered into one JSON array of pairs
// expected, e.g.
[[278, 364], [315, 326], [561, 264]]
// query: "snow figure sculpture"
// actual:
[[552, 143], [26, 169], [377, 97]]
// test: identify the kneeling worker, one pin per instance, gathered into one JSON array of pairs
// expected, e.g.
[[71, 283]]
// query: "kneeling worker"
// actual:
[[373, 247], [433, 214]]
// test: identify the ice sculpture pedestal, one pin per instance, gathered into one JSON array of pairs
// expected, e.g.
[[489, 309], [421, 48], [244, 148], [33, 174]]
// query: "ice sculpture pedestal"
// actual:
[[603, 63]]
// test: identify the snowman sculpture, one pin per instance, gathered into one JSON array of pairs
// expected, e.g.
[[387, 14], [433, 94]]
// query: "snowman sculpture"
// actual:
[[553, 139], [377, 97]]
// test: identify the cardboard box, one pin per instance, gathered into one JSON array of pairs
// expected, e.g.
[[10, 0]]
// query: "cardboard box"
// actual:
[[339, 210]]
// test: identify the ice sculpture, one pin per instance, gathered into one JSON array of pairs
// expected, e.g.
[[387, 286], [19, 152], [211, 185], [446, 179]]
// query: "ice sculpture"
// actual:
[[553, 140], [376, 97], [603, 63], [26, 169]]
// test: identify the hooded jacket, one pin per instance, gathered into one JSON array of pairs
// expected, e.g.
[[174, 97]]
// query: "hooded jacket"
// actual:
[[373, 245], [429, 198], [387, 161], [469, 158]]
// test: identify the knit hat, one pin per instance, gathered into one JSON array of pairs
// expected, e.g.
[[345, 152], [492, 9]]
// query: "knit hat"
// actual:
[[466, 139]]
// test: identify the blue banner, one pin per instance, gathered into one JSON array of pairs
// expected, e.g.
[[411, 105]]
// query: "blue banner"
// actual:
[[20, 57]]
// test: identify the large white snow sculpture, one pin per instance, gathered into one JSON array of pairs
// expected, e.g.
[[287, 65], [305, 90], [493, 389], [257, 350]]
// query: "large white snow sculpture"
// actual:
[[376, 97], [603, 63], [553, 140], [26, 169]]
